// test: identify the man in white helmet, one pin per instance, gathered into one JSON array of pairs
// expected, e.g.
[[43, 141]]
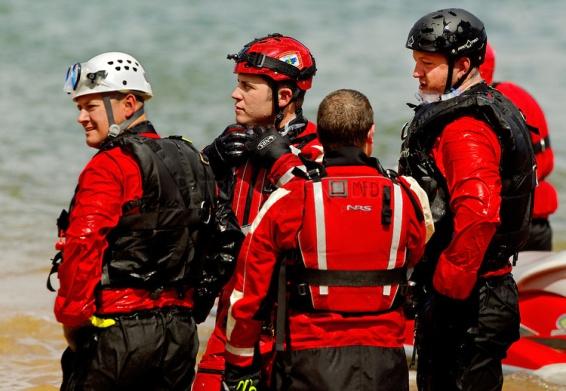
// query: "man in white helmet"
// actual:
[[133, 245]]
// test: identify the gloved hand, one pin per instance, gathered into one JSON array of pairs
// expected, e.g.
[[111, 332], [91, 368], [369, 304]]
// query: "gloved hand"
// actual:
[[228, 150], [268, 146], [419, 288], [241, 378]]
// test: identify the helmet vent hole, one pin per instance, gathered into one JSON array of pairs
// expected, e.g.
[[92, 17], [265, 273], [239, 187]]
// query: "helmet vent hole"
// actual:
[[110, 62], [135, 69], [126, 67], [129, 61], [137, 64], [120, 61], [124, 82], [117, 68]]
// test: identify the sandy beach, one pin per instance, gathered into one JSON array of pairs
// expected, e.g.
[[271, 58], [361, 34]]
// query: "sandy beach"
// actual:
[[31, 341]]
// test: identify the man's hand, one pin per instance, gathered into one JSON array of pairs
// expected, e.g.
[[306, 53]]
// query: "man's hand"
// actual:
[[268, 146], [241, 378], [229, 149]]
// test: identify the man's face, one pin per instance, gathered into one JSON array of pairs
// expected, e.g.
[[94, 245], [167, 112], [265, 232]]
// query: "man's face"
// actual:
[[253, 100], [93, 118], [432, 70]]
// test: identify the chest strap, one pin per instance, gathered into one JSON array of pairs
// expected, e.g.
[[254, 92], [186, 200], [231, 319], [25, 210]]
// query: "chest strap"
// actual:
[[353, 278]]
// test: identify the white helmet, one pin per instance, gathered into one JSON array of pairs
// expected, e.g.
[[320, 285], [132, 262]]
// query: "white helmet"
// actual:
[[107, 72]]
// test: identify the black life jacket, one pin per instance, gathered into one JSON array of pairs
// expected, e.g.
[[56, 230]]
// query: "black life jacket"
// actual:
[[159, 238], [517, 168]]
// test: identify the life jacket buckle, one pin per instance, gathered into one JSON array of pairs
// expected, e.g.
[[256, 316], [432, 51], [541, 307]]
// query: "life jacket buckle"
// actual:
[[156, 294], [302, 289]]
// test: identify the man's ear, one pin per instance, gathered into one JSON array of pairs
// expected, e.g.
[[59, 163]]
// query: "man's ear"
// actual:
[[371, 133], [130, 105], [368, 145], [285, 95], [461, 66]]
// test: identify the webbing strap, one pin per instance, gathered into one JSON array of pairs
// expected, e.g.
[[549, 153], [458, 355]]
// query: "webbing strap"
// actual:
[[542, 145], [260, 60], [281, 321], [55, 262], [354, 278], [386, 206]]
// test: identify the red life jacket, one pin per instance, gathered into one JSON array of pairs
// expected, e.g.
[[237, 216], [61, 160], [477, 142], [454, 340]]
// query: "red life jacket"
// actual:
[[546, 197], [343, 271]]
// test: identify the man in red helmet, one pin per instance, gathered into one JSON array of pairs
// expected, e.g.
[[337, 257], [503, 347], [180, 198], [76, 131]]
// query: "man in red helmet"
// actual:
[[546, 198], [338, 246], [470, 148], [273, 75]]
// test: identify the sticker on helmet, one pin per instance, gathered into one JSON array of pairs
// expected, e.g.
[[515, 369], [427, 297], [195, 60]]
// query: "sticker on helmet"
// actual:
[[291, 58]]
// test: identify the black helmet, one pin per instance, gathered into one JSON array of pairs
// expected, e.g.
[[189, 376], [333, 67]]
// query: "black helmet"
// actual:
[[453, 32]]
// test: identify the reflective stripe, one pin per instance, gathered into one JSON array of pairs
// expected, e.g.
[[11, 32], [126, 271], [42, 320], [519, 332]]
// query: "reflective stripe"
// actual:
[[238, 192], [320, 231], [321, 156], [289, 175], [396, 235], [243, 352], [230, 322], [273, 198]]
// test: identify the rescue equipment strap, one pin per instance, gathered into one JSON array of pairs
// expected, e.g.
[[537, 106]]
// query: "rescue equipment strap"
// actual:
[[300, 142], [542, 145], [386, 206], [281, 321], [354, 278], [54, 267]]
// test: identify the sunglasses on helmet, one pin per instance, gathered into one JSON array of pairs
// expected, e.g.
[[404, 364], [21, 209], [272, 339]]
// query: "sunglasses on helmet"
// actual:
[[73, 77]]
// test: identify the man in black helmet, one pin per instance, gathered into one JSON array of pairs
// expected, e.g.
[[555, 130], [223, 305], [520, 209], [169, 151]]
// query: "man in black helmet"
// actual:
[[470, 149]]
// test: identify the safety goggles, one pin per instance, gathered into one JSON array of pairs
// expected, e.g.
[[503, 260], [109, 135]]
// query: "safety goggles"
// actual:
[[72, 78]]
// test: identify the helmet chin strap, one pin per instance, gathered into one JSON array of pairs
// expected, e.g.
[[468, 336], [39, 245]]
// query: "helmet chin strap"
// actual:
[[113, 128], [449, 87]]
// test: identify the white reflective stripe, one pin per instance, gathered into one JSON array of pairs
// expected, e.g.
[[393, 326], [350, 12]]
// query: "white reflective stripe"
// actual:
[[246, 228], [238, 192], [273, 198], [289, 175], [230, 322], [396, 235], [243, 352], [320, 231], [319, 157]]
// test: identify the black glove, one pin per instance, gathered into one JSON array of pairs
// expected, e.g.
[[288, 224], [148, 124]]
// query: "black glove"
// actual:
[[212, 279], [419, 288], [229, 149], [268, 146], [219, 261], [241, 378]]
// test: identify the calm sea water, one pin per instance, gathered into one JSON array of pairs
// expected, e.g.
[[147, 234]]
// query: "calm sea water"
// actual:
[[183, 45]]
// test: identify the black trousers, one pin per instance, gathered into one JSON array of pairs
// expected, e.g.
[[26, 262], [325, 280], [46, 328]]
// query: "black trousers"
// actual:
[[461, 343], [150, 350], [352, 368]]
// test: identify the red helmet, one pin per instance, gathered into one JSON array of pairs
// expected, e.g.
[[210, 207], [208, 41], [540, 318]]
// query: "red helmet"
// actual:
[[487, 69], [278, 57]]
